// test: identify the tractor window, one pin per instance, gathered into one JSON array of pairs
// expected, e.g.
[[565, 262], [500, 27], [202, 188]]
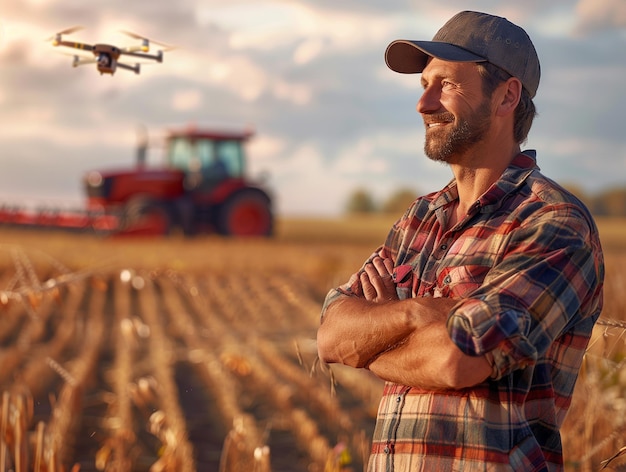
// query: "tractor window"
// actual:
[[181, 155], [214, 159], [205, 153], [230, 154]]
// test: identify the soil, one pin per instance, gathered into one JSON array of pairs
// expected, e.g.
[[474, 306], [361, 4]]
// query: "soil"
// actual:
[[132, 370]]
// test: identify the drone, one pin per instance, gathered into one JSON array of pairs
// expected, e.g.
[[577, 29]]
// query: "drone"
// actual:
[[106, 56]]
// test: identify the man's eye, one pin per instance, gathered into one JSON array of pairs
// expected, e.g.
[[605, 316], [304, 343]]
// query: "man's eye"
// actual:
[[447, 84]]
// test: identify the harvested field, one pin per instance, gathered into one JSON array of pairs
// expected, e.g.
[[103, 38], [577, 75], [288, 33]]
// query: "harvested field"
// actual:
[[156, 361], [199, 355]]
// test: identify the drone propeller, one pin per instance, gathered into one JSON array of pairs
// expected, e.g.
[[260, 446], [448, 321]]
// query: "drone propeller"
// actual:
[[146, 41], [71, 30], [132, 35]]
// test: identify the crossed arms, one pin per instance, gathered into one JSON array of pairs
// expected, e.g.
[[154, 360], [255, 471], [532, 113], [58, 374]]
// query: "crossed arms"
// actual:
[[401, 341]]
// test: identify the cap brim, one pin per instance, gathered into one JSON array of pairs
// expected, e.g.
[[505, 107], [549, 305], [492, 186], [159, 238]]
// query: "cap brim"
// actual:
[[410, 57]]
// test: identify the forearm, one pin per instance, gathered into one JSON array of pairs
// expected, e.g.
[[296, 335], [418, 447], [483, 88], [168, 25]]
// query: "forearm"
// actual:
[[405, 342], [429, 359], [354, 330]]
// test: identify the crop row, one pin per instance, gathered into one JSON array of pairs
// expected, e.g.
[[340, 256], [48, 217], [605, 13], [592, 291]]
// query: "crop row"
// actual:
[[163, 371]]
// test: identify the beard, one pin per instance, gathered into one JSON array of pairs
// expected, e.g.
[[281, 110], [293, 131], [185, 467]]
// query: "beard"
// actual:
[[443, 144]]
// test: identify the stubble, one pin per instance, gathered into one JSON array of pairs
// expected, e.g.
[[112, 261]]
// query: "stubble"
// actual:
[[446, 143]]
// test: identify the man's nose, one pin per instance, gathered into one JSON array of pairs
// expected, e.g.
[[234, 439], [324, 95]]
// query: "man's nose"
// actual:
[[429, 101]]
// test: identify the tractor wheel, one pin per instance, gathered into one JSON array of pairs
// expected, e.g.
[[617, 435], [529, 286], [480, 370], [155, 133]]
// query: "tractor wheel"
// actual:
[[247, 213]]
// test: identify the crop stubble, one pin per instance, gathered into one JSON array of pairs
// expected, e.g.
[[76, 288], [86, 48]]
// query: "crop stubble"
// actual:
[[171, 365], [185, 355]]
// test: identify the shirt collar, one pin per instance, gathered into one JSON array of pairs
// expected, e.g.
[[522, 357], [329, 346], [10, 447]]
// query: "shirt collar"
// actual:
[[512, 178]]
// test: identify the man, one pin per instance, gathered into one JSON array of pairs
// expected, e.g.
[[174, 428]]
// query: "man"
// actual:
[[478, 308]]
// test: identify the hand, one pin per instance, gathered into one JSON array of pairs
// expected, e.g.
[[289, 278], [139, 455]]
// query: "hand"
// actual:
[[376, 280]]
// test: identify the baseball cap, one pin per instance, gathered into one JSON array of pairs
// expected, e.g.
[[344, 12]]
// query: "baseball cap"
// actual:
[[471, 36]]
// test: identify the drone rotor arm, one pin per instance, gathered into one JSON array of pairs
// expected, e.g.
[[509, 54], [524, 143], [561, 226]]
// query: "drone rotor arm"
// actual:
[[73, 44], [155, 57], [131, 49], [136, 68]]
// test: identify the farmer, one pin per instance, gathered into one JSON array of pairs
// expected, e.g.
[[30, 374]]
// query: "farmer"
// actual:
[[477, 309]]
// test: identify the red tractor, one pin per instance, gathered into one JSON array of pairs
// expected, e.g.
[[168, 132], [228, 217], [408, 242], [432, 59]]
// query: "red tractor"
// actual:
[[202, 189]]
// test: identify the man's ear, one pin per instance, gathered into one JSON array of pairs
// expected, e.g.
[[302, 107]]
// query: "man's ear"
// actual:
[[509, 94]]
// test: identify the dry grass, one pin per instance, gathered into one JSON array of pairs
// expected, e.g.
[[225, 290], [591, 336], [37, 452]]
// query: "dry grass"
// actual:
[[595, 428], [324, 253]]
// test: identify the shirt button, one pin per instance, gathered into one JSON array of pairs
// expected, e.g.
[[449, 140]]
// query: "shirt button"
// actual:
[[447, 280], [443, 247], [386, 449], [398, 399]]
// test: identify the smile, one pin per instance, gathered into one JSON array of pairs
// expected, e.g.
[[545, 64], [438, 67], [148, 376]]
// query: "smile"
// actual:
[[437, 123]]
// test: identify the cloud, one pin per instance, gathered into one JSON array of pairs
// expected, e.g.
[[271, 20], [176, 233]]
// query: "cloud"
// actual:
[[600, 15], [308, 75], [187, 100]]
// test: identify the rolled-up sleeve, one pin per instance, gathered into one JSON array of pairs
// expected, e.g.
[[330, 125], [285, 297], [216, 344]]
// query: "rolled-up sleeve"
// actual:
[[331, 296], [548, 280]]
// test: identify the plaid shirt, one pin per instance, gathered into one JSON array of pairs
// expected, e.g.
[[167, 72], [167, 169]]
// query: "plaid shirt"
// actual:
[[527, 266]]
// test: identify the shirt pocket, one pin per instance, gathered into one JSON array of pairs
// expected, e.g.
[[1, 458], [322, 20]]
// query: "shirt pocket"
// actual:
[[460, 281], [403, 278]]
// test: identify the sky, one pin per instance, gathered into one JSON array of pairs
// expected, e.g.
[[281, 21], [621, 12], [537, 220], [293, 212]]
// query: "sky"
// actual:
[[307, 75]]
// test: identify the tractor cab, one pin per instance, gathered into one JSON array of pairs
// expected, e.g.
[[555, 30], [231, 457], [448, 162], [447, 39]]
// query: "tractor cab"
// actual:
[[217, 192], [206, 158]]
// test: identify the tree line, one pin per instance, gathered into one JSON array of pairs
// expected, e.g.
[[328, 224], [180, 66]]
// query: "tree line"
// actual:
[[609, 202]]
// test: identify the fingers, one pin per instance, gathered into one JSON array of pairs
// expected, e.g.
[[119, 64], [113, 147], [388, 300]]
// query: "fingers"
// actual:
[[377, 280], [369, 290], [388, 266]]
